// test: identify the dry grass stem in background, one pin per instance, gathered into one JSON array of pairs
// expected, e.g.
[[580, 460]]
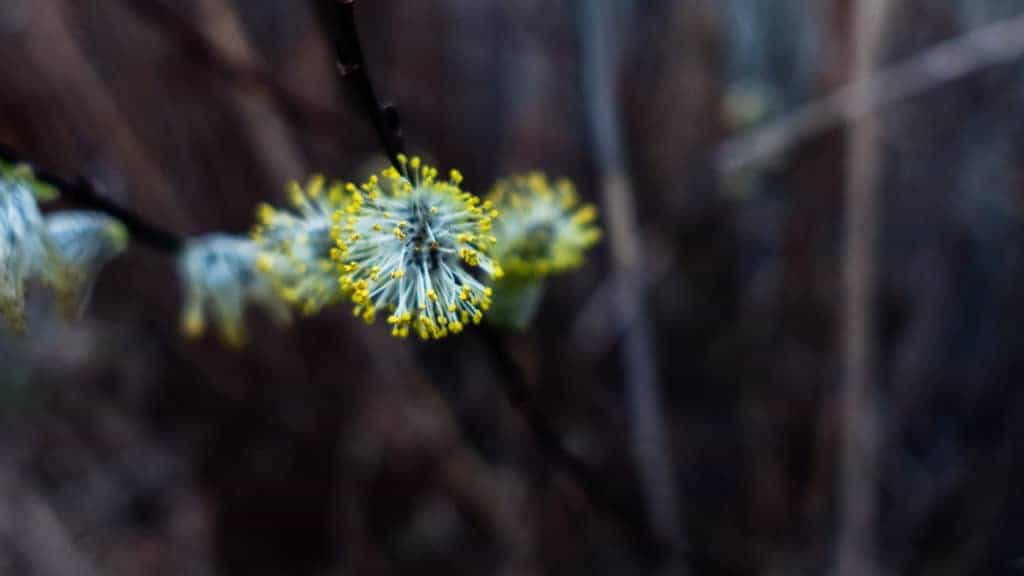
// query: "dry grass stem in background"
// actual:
[[858, 397]]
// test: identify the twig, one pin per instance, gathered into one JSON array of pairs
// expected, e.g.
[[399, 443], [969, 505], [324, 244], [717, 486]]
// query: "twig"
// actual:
[[988, 46], [858, 397], [352, 67], [514, 385], [995, 44], [478, 486], [85, 193], [649, 445]]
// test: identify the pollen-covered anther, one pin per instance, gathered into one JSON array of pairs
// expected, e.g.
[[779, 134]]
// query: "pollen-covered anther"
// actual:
[[469, 256]]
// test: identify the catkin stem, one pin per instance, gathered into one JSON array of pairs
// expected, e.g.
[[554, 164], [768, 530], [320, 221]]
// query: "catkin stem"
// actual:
[[84, 192], [352, 67]]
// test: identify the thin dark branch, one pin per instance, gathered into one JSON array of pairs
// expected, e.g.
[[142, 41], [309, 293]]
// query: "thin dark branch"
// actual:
[[85, 193], [857, 506], [352, 68], [599, 34], [623, 510], [987, 46]]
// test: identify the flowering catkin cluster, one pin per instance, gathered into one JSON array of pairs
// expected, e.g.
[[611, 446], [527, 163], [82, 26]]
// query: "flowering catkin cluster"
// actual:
[[220, 279], [63, 251], [85, 242], [295, 246], [543, 229], [405, 244], [417, 248], [420, 251]]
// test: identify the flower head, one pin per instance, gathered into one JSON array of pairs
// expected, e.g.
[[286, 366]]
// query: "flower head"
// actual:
[[85, 242], [416, 248], [543, 230], [23, 173], [220, 279], [295, 245], [25, 248]]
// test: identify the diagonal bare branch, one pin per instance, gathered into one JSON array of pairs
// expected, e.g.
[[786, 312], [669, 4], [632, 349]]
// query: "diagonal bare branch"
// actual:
[[998, 43]]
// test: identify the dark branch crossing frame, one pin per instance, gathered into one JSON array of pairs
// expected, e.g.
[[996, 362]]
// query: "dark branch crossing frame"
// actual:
[[86, 193]]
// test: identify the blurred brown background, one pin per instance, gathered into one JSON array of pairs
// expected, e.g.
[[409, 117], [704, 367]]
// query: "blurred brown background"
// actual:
[[329, 448]]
